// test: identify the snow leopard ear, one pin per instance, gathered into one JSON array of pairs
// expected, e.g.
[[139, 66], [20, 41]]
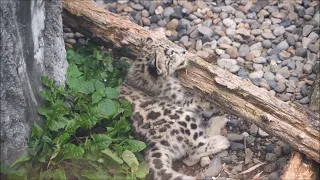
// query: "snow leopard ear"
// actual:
[[149, 40]]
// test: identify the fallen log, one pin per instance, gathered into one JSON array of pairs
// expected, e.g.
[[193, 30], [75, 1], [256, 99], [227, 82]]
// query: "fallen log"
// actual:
[[292, 123], [297, 169]]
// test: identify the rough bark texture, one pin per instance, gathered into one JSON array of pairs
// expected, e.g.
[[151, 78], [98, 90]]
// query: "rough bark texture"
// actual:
[[31, 47], [315, 96], [291, 123], [297, 169]]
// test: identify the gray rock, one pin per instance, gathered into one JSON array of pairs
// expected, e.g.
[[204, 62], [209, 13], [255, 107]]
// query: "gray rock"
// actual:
[[267, 44], [214, 168], [286, 149], [243, 50], [278, 151], [271, 157], [307, 68], [269, 76], [278, 31], [248, 156], [304, 100], [152, 7], [268, 35], [205, 31], [235, 137], [260, 60], [307, 30], [155, 18], [314, 48], [283, 45], [305, 42], [250, 139], [280, 88], [256, 75], [273, 176], [272, 84], [236, 146], [242, 73], [254, 129], [291, 41], [198, 44], [270, 167], [224, 40], [284, 71], [302, 52], [229, 23], [168, 11], [138, 7], [262, 133], [313, 36]]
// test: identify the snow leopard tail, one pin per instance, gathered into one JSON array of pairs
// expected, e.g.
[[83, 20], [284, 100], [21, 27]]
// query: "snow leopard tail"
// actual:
[[159, 159]]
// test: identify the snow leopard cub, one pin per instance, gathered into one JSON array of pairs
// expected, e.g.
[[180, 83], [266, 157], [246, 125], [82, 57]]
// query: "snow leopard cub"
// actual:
[[165, 115]]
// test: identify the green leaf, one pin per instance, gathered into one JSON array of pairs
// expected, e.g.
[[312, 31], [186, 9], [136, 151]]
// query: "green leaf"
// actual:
[[96, 97], [99, 85], [62, 139], [143, 170], [112, 155], [36, 131], [56, 124], [111, 92], [73, 71], [137, 146], [130, 158], [94, 175], [59, 175], [5, 169], [97, 54], [87, 87], [43, 109], [126, 105], [72, 151], [45, 152], [46, 94], [46, 81], [106, 108], [21, 160], [102, 141]]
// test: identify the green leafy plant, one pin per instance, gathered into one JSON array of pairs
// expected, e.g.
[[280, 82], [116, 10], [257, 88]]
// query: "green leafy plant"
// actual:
[[86, 133]]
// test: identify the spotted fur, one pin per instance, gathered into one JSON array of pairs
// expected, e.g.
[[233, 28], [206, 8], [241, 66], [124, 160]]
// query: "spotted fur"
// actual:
[[165, 115]]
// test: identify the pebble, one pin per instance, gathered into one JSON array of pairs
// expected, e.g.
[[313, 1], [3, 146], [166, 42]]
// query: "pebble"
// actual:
[[236, 146], [267, 44], [271, 157], [229, 23], [248, 156], [280, 88], [262, 133], [270, 167], [214, 168], [235, 137], [138, 7], [273, 176], [254, 129], [278, 31], [307, 30], [205, 161], [283, 45], [206, 31], [256, 74]]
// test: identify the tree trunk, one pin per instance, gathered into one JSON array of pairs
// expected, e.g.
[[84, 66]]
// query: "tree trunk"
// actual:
[[31, 47], [297, 169], [315, 96], [287, 121]]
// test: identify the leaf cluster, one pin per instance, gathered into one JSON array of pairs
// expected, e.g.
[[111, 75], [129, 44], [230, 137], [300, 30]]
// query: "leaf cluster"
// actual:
[[86, 133]]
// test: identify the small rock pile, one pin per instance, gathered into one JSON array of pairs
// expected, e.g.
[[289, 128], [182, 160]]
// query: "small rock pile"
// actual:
[[275, 44]]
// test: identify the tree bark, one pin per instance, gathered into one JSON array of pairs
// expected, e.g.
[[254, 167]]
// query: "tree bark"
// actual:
[[31, 47], [291, 123], [297, 169], [315, 96]]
